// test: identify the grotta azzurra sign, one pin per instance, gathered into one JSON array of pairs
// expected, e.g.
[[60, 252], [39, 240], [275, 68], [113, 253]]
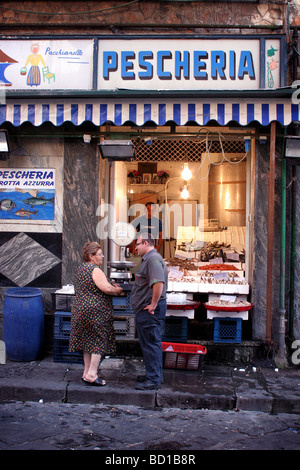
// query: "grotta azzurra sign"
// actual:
[[193, 64]]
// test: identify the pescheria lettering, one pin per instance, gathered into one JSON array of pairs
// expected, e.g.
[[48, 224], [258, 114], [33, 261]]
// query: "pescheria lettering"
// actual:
[[26, 174], [146, 65]]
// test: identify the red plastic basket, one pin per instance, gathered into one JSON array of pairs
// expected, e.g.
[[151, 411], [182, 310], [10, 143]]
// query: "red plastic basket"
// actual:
[[188, 305], [243, 308], [183, 356]]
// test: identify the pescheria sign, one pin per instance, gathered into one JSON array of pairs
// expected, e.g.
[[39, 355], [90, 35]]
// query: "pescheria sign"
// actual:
[[158, 64]]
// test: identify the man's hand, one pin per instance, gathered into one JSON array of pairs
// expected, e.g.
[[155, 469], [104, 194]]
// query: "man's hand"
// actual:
[[150, 308], [157, 289]]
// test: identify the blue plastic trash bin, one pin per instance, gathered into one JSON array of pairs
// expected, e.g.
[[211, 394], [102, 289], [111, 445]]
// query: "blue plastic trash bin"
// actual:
[[23, 323]]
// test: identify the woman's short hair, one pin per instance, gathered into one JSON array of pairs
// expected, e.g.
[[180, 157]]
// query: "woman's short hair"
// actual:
[[89, 249]]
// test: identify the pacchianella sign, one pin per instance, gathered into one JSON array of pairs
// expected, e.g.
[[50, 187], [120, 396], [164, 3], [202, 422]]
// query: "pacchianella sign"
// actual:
[[192, 64]]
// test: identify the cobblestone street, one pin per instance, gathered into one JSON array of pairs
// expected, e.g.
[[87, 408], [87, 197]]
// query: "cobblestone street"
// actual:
[[55, 426]]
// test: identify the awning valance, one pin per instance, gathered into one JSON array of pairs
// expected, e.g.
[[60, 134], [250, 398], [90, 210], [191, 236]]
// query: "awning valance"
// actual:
[[140, 111]]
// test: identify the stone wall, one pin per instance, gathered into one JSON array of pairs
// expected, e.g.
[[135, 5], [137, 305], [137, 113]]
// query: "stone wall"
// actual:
[[187, 16]]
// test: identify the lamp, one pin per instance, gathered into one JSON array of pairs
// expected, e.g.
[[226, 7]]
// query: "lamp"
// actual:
[[186, 172], [184, 193], [117, 150], [4, 145], [292, 146]]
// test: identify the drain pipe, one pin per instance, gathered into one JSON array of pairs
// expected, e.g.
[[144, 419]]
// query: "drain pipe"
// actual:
[[270, 242], [293, 254], [281, 354]]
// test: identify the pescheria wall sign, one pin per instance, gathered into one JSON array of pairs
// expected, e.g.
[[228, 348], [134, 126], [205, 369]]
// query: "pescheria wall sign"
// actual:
[[140, 63], [193, 64]]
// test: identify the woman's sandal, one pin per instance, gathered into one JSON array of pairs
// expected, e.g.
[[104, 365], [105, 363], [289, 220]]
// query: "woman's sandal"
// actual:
[[99, 382]]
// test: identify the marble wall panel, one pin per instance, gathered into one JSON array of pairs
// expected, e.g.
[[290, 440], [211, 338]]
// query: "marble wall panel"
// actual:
[[296, 287], [259, 288], [81, 190], [30, 259]]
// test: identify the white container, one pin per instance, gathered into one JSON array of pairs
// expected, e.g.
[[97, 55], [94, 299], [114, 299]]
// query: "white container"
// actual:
[[218, 288], [192, 286], [243, 289], [229, 289], [176, 286], [180, 313], [203, 287], [211, 314]]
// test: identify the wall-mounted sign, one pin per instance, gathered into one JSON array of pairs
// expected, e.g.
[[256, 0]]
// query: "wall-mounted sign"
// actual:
[[27, 194], [192, 64], [235, 63], [46, 64]]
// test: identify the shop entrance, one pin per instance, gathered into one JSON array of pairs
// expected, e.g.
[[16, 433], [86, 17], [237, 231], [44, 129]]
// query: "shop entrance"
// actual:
[[206, 220]]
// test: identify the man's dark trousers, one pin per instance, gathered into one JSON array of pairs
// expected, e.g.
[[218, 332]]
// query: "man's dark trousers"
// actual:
[[150, 329]]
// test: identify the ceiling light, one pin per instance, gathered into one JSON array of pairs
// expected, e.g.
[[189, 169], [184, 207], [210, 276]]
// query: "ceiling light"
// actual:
[[117, 150], [186, 172], [292, 146], [184, 193]]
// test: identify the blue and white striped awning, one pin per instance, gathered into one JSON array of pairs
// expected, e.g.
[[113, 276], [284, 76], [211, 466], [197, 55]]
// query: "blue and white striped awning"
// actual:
[[140, 111]]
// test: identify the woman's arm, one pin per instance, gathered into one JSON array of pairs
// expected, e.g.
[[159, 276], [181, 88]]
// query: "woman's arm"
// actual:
[[102, 283]]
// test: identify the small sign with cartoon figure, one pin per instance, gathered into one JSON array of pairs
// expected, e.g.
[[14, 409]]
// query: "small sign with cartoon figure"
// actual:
[[46, 64]]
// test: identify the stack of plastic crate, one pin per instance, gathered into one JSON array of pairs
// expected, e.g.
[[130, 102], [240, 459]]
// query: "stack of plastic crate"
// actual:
[[124, 318], [62, 328]]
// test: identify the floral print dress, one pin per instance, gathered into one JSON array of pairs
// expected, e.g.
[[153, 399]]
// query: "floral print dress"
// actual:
[[92, 328]]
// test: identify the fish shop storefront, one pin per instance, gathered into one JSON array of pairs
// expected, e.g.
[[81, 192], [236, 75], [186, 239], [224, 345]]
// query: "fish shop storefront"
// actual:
[[219, 108]]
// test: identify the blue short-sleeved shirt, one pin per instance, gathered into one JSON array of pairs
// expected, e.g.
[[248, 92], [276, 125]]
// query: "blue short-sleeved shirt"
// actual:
[[153, 269], [150, 225]]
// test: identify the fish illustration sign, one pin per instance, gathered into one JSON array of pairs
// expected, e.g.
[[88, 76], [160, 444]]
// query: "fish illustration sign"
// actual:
[[27, 194]]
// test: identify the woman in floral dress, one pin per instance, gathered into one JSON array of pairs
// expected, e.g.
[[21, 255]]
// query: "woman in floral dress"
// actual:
[[92, 329]]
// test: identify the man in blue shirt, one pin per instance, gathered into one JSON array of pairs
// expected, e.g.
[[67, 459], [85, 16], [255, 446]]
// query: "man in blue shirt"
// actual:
[[148, 300], [149, 223]]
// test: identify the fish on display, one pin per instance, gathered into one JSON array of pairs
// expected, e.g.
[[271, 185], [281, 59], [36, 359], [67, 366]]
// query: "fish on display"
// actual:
[[7, 205], [25, 213], [38, 201]]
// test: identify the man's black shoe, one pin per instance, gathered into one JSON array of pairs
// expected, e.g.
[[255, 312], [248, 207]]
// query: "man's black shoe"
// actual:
[[141, 378], [146, 386]]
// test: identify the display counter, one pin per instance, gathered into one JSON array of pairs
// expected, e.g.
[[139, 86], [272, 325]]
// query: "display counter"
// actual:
[[205, 278], [224, 283]]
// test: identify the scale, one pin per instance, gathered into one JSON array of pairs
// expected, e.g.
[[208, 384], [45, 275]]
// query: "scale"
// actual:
[[122, 234]]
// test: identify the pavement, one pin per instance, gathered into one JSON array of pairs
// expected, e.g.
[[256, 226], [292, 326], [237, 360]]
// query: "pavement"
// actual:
[[256, 387]]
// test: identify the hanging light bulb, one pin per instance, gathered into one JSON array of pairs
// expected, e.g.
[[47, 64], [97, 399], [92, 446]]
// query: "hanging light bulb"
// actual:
[[186, 172], [184, 193]]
